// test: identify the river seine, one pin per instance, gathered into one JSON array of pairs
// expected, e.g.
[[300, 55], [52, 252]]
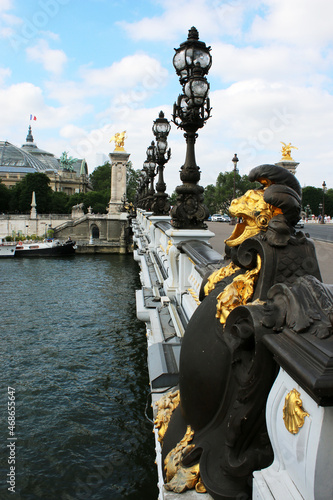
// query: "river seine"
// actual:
[[73, 360]]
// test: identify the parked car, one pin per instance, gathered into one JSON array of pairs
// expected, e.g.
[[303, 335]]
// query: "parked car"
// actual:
[[226, 218], [217, 218], [300, 223]]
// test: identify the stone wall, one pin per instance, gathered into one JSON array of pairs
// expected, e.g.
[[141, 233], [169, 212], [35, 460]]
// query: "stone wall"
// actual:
[[28, 226]]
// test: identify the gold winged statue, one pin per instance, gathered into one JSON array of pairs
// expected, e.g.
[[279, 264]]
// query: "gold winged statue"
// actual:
[[286, 151], [119, 139]]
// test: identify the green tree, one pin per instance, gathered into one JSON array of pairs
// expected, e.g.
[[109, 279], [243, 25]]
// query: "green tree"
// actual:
[[218, 198], [97, 200], [209, 198], [21, 193], [74, 199], [131, 182], [59, 202], [4, 198], [313, 197], [100, 178]]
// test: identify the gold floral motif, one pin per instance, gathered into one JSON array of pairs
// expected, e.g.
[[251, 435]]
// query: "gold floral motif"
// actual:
[[238, 293], [166, 405], [219, 275], [178, 477], [293, 412]]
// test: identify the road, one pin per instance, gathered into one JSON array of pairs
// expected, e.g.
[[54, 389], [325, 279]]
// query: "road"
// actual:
[[322, 234]]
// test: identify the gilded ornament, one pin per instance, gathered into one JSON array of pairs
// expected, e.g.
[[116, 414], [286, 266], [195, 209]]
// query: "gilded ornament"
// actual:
[[194, 295], [119, 139], [293, 412], [237, 293], [178, 477], [286, 151], [219, 275], [165, 407], [255, 214], [169, 246]]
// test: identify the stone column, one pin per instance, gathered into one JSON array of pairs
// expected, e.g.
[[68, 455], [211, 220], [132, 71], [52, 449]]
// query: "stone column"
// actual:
[[118, 181], [33, 211], [288, 165]]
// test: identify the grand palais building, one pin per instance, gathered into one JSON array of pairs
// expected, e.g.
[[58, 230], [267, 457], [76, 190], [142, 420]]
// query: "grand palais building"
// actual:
[[16, 162]]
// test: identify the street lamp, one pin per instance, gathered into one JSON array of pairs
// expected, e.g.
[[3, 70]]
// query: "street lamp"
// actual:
[[161, 129], [150, 165], [323, 205], [192, 62], [307, 211], [234, 161]]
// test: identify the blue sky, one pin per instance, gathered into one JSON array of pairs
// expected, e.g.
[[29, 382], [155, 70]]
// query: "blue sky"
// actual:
[[90, 68]]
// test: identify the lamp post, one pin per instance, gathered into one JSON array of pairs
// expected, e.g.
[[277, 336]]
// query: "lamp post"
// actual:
[[235, 160], [307, 211], [192, 62], [145, 184], [150, 164], [323, 204], [161, 129]]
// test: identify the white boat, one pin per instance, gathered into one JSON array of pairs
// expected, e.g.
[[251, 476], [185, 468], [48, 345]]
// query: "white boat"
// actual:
[[46, 248], [7, 249]]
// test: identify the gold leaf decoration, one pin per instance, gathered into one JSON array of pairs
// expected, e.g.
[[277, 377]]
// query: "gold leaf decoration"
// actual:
[[166, 405], [219, 275], [178, 477], [237, 293], [293, 412]]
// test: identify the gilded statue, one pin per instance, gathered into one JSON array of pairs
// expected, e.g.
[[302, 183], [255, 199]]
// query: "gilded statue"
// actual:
[[286, 151], [119, 139]]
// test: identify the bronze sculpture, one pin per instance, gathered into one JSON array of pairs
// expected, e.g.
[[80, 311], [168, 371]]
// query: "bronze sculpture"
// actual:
[[217, 436]]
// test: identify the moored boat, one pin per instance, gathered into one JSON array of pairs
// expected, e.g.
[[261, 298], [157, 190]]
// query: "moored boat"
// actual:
[[47, 248], [7, 249]]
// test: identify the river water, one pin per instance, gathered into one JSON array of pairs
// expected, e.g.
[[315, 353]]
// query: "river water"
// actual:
[[75, 354]]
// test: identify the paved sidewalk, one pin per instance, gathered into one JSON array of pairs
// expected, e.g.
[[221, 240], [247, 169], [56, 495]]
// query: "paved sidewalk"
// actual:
[[324, 250]]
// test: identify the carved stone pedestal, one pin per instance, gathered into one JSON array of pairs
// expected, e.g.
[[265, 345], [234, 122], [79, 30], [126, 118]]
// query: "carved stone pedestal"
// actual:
[[118, 181], [288, 165], [303, 462]]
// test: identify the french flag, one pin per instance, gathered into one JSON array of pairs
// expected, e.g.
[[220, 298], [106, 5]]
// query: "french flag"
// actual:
[[32, 117]]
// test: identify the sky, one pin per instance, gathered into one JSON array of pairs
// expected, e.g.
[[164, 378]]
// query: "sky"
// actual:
[[90, 68]]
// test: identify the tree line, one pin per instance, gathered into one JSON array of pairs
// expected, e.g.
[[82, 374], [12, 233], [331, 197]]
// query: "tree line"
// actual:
[[216, 197], [17, 199]]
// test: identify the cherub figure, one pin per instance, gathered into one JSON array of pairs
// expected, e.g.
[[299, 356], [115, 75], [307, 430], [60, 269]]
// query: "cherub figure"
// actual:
[[286, 151]]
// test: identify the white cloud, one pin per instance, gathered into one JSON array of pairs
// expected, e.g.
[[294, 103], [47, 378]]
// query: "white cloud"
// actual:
[[300, 22], [210, 17], [4, 73], [131, 71], [53, 60]]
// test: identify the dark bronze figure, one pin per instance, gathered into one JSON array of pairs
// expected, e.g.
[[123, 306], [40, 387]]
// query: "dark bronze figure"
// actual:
[[271, 281]]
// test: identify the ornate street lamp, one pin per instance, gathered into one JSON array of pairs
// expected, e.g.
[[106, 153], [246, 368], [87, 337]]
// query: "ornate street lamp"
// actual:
[[161, 129], [150, 164], [192, 62], [323, 205], [145, 183], [234, 161], [307, 211]]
